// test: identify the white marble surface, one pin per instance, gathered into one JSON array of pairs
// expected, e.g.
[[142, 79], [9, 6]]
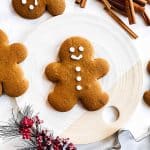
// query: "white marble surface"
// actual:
[[17, 28]]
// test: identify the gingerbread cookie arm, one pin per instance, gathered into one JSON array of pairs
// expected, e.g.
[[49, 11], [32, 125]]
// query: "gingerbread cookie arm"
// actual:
[[3, 37], [18, 52], [56, 7], [54, 72], [100, 67]]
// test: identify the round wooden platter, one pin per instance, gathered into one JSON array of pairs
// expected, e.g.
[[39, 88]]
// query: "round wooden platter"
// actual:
[[123, 82]]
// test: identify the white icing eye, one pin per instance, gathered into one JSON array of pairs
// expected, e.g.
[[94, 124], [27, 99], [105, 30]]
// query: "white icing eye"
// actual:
[[78, 78], [72, 49], [81, 48], [78, 69], [78, 87], [31, 7], [23, 2]]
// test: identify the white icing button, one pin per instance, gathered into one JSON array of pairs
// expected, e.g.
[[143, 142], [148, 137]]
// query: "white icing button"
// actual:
[[31, 7], [78, 87], [23, 1], [78, 78], [78, 69], [81, 48], [72, 49], [36, 2]]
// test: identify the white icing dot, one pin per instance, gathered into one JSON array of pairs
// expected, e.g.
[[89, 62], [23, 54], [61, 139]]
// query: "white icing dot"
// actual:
[[72, 49], [31, 7], [78, 78], [78, 69], [78, 87], [81, 48], [23, 1], [35, 2]]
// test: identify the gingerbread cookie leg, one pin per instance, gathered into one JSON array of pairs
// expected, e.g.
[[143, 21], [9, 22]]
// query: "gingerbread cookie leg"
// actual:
[[93, 99], [15, 85], [61, 99]]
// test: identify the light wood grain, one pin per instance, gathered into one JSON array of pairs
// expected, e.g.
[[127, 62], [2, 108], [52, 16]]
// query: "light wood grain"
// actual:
[[125, 96]]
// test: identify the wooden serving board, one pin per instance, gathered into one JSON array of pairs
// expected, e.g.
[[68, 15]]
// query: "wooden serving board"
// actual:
[[123, 83]]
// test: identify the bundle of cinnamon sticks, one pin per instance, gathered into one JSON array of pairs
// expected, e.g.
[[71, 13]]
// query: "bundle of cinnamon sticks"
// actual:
[[128, 8]]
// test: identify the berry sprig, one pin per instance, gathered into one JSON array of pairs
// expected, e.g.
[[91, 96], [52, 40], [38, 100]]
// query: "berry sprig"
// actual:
[[28, 127]]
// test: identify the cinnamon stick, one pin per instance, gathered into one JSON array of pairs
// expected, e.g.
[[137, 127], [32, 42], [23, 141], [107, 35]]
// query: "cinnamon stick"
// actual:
[[138, 8], [146, 18], [78, 1], [107, 4], [117, 4], [118, 20], [140, 2], [122, 12], [118, 7], [148, 1], [121, 7], [83, 3], [130, 11], [143, 13]]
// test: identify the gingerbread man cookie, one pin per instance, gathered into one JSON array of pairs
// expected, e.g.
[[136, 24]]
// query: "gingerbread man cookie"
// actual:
[[12, 81], [146, 95], [76, 76], [32, 9]]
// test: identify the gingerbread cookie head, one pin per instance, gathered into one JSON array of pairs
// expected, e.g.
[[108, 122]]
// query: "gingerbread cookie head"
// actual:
[[76, 49], [12, 80], [76, 76], [32, 9]]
